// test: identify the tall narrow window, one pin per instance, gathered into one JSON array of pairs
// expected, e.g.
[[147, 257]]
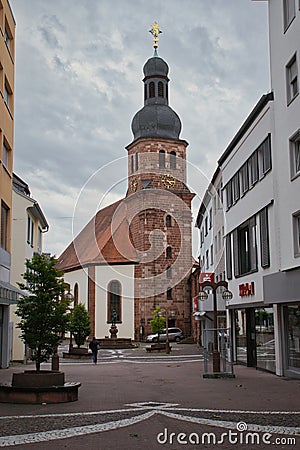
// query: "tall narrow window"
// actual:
[[295, 154], [136, 161], [7, 37], [168, 221], [132, 164], [264, 238], [244, 178], [114, 301], [292, 79], [253, 168], [173, 160], [5, 155], [162, 159], [244, 248], [169, 252], [236, 187], [7, 94], [289, 12], [228, 257], [160, 88], [229, 198], [39, 240], [265, 150], [4, 226], [76, 294], [151, 89], [296, 226], [169, 293], [169, 272]]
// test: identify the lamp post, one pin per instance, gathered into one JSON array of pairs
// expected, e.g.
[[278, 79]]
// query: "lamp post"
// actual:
[[226, 295], [168, 313], [70, 297]]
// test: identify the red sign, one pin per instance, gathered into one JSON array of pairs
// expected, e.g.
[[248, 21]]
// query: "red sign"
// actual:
[[246, 289], [195, 303], [207, 276]]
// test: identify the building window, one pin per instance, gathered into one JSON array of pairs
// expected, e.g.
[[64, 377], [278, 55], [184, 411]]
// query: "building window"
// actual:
[[289, 12], [244, 178], [169, 252], [173, 160], [228, 257], [169, 293], [162, 159], [169, 272], [235, 188], [207, 259], [253, 168], [296, 227], [211, 255], [151, 89], [292, 79], [295, 154], [229, 199], [264, 238], [7, 93], [7, 37], [76, 294], [136, 161], [30, 231], [132, 164], [114, 301], [5, 155], [264, 151], [210, 218], [168, 221], [160, 88], [206, 225], [39, 240], [4, 226], [244, 248]]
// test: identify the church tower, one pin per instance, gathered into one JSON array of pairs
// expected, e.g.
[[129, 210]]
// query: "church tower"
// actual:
[[158, 204]]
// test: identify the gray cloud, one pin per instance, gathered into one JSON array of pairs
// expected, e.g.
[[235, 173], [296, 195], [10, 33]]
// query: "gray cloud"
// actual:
[[79, 84]]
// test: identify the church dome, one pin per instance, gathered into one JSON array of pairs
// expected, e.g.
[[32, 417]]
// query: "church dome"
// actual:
[[156, 121], [155, 66], [156, 118]]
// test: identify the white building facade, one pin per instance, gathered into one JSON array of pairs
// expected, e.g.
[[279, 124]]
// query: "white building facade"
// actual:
[[261, 178]]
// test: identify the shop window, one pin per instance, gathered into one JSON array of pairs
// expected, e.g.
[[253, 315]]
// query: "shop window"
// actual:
[[114, 301], [292, 319]]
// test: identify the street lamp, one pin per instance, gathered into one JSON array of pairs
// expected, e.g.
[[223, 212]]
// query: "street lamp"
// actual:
[[167, 314], [227, 295]]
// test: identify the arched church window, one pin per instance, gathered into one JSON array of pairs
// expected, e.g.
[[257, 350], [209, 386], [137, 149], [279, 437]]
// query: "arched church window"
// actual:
[[169, 272], [136, 161], [162, 159], [114, 301], [169, 293], [76, 294], [151, 89], [160, 89], [132, 164], [168, 221], [169, 252], [173, 160]]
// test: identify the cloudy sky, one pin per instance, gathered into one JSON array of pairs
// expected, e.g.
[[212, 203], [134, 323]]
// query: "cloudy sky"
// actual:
[[79, 83]]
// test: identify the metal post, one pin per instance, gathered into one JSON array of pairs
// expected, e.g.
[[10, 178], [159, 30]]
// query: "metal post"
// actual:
[[167, 333], [216, 353]]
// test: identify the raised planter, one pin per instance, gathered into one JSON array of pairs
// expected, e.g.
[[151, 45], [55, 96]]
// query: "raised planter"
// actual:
[[33, 387], [78, 353], [158, 347]]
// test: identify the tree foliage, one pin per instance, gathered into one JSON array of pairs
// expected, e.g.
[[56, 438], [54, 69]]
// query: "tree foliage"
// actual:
[[79, 324], [43, 308], [158, 322]]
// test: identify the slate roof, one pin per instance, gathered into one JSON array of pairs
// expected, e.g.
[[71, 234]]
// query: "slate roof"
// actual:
[[98, 243]]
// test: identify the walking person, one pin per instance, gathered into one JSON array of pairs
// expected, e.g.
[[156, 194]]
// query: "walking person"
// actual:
[[94, 346]]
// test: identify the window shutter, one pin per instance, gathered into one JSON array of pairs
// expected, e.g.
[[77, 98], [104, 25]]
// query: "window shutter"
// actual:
[[228, 257], [236, 253], [252, 242], [264, 238]]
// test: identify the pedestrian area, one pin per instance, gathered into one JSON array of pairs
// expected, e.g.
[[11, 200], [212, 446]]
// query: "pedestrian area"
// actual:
[[133, 400]]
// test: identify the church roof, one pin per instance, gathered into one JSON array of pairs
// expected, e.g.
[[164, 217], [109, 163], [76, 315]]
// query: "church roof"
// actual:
[[102, 241]]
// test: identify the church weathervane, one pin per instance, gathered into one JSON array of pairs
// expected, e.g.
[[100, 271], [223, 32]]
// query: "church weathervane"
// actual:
[[155, 31]]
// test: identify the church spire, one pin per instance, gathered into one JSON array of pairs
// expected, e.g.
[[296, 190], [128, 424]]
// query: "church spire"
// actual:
[[155, 31]]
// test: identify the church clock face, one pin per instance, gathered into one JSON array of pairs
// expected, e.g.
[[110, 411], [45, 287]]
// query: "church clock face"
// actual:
[[133, 184], [168, 181]]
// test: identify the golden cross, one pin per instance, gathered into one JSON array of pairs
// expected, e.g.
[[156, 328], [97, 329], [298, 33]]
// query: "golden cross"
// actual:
[[155, 31]]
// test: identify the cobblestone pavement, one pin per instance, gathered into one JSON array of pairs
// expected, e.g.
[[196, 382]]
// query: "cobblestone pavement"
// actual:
[[133, 400]]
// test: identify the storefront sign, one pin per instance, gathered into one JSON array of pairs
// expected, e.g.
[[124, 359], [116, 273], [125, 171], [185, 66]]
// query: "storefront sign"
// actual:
[[246, 289], [207, 276]]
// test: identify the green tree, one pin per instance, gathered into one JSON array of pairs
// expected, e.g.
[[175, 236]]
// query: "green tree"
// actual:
[[43, 309], [79, 324], [158, 322]]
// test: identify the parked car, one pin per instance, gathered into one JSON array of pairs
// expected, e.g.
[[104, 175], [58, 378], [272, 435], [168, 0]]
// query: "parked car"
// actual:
[[175, 334]]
